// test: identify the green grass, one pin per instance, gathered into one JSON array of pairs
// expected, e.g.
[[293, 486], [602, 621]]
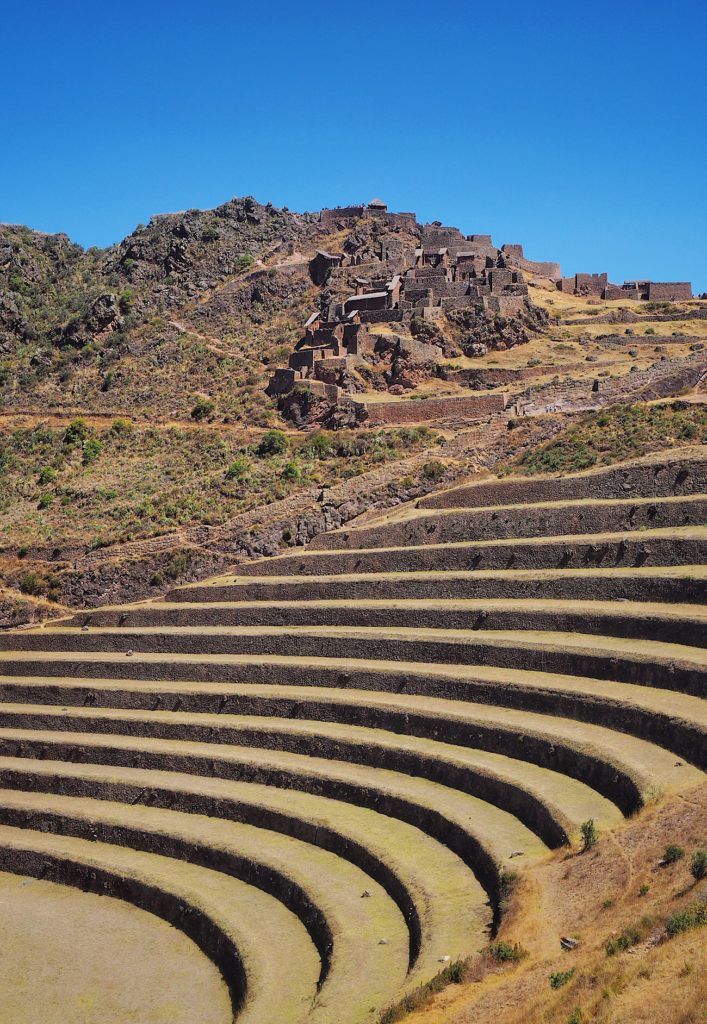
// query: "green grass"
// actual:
[[611, 435]]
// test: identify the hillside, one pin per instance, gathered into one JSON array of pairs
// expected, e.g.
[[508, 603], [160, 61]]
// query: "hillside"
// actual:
[[136, 440]]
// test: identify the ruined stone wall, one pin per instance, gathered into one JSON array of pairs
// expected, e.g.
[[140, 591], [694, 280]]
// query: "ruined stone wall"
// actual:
[[381, 316], [473, 407], [330, 218], [540, 268], [671, 291]]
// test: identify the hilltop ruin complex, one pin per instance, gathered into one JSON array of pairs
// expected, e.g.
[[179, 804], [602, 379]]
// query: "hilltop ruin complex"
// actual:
[[394, 271]]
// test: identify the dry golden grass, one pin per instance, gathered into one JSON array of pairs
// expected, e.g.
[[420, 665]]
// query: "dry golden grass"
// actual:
[[593, 897]]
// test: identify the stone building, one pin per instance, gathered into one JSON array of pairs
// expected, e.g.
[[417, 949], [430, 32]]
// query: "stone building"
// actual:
[[393, 281]]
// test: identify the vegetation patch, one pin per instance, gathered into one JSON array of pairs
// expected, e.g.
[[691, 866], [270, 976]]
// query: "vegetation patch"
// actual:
[[614, 434], [452, 974]]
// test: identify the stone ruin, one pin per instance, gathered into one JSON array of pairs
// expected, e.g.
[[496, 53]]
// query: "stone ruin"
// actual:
[[598, 285], [411, 271]]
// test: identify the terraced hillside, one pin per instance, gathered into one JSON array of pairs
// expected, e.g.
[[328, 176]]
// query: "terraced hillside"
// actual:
[[326, 770]]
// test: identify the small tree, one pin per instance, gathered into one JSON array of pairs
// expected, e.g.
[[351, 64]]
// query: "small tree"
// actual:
[[589, 834]]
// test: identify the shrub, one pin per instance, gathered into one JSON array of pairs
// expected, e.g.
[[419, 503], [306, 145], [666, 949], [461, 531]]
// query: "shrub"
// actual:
[[238, 468], [560, 978], [644, 890], [177, 565], [589, 834], [504, 952], [673, 853], [698, 865], [274, 442], [575, 1017], [37, 585], [77, 431], [319, 446], [91, 450], [244, 261], [452, 974], [627, 938], [692, 917], [210, 232], [203, 409], [47, 475], [45, 501], [291, 471], [126, 301], [121, 427], [434, 470]]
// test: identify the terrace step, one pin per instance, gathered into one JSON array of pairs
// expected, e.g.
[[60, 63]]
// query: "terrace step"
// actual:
[[676, 722], [548, 803], [686, 583], [442, 902], [679, 545], [675, 472], [402, 735], [648, 620], [482, 835], [322, 890], [644, 662], [229, 920], [496, 522]]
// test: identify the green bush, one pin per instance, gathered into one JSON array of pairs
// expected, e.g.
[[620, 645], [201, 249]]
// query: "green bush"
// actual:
[[126, 300], [504, 952], [698, 865], [319, 446], [210, 232], [91, 450], [244, 261], [122, 427], [692, 917], [203, 409], [45, 501], [77, 431], [291, 471], [560, 978], [177, 565], [238, 469], [274, 442], [47, 475], [627, 938], [575, 1017], [673, 853]]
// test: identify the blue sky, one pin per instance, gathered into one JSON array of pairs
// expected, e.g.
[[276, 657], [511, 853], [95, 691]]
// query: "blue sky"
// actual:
[[581, 135]]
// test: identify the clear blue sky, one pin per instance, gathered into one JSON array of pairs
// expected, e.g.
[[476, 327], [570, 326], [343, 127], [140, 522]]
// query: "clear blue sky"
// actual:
[[581, 135]]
